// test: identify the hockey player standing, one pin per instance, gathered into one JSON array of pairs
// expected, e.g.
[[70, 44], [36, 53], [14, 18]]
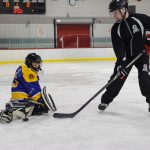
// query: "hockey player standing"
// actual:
[[26, 97], [128, 39]]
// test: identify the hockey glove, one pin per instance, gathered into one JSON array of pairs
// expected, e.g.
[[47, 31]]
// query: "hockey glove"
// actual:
[[43, 106], [40, 108], [123, 72]]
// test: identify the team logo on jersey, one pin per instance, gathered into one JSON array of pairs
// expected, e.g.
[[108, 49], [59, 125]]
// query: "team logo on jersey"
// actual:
[[135, 29], [145, 68], [31, 76]]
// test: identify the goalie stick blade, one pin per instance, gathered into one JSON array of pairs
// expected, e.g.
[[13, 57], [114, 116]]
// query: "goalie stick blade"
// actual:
[[63, 115]]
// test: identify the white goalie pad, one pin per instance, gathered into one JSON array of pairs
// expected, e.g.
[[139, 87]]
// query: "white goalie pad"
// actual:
[[48, 100], [23, 113]]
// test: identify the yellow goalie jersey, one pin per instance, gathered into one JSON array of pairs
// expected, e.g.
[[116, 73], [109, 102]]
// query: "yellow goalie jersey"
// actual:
[[25, 84]]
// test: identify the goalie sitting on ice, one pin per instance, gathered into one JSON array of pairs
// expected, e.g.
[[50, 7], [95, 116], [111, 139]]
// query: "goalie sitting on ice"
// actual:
[[27, 98]]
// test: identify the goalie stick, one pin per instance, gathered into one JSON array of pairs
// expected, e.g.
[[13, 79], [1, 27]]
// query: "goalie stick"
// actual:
[[48, 100], [71, 115]]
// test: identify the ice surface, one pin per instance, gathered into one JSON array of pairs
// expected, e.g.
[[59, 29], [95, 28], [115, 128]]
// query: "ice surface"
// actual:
[[125, 125]]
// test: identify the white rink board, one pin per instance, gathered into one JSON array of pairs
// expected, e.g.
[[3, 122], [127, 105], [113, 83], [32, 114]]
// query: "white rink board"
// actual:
[[47, 54]]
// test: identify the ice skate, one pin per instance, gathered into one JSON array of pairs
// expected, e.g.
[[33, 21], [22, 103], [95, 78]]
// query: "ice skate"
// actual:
[[102, 106], [6, 116]]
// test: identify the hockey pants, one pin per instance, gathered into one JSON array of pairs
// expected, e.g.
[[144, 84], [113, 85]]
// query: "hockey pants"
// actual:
[[142, 65]]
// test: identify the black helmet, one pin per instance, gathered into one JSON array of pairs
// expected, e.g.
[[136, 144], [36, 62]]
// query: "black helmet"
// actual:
[[118, 4], [31, 58]]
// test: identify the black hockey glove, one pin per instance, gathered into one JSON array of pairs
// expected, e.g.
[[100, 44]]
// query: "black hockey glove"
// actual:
[[43, 105], [123, 72], [40, 108]]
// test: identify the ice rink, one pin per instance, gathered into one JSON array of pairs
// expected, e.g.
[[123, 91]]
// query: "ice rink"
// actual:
[[125, 125]]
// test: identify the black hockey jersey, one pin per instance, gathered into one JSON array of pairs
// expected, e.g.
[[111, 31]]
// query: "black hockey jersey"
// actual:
[[128, 36]]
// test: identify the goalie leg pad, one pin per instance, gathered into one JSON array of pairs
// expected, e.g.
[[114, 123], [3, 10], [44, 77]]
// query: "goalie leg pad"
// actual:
[[23, 113], [49, 102], [22, 108]]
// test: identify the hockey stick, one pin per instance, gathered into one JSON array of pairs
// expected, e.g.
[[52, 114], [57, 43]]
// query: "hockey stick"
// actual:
[[71, 115]]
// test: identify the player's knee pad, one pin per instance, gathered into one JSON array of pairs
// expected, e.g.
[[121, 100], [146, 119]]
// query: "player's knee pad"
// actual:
[[23, 112], [48, 101], [22, 108]]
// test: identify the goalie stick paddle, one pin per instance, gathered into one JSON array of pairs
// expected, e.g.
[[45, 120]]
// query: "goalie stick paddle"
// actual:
[[71, 115]]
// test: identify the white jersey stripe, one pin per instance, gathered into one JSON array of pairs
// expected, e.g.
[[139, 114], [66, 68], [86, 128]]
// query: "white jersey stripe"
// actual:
[[119, 30], [140, 24]]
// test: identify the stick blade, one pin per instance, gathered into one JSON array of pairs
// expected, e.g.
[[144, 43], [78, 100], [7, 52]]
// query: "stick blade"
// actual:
[[63, 115]]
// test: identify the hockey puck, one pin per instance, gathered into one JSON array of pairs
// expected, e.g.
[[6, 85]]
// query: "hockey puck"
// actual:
[[25, 119]]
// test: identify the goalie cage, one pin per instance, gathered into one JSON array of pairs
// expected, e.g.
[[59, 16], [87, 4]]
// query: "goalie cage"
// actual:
[[48, 100]]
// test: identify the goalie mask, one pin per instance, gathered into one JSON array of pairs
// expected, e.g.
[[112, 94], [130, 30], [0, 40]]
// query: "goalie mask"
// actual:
[[33, 61]]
